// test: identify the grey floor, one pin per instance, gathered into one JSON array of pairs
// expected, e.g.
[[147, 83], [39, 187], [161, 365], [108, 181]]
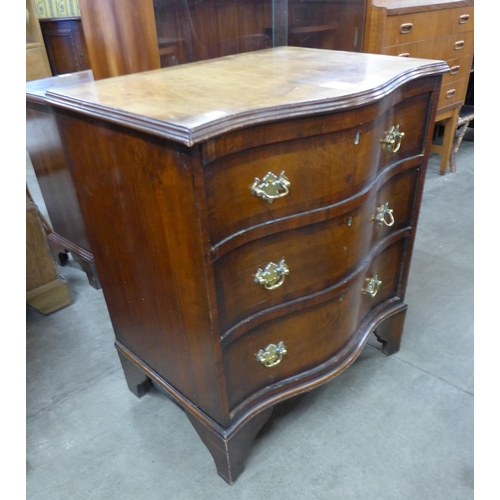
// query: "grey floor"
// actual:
[[398, 427]]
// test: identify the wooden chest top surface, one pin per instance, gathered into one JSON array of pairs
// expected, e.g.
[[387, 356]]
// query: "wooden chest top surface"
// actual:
[[195, 102]]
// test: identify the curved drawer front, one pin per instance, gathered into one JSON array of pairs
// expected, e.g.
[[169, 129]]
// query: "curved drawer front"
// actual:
[[315, 256], [306, 174], [292, 345]]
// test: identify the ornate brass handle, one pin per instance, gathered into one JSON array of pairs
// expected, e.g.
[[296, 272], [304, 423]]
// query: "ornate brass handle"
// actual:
[[384, 215], [392, 139], [273, 275], [271, 187], [372, 286], [272, 354]]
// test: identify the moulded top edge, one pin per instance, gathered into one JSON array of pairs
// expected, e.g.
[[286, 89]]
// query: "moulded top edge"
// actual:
[[37, 89], [195, 102]]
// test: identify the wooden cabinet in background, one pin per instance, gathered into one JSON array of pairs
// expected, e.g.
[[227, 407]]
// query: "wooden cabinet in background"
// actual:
[[429, 29], [46, 291], [37, 63], [252, 220], [130, 37], [44, 146], [65, 44]]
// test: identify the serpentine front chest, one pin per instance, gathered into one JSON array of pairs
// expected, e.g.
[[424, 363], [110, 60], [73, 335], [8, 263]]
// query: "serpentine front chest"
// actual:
[[252, 220]]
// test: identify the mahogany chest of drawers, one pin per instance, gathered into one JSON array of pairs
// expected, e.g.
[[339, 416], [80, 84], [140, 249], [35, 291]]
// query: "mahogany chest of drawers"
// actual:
[[252, 219], [430, 29]]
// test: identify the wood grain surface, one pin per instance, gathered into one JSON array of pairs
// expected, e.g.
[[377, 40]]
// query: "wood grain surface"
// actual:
[[195, 102]]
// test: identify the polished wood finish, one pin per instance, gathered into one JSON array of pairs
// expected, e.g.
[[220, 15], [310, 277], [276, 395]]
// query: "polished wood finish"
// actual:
[[46, 290], [442, 29], [179, 147], [46, 152], [65, 44], [37, 62], [120, 36], [210, 98]]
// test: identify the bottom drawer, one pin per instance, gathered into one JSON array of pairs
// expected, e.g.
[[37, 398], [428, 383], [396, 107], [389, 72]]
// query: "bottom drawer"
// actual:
[[259, 363]]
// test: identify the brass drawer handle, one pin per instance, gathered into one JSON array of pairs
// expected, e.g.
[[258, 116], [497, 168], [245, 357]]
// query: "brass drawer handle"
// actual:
[[404, 54], [273, 275], [392, 139], [459, 45], [272, 354], [454, 69], [372, 286], [450, 93], [384, 215], [464, 18], [271, 187], [406, 28]]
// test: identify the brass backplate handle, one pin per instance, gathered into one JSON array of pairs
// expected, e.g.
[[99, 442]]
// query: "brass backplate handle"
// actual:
[[271, 187], [273, 275], [271, 355], [392, 139], [372, 286], [384, 215]]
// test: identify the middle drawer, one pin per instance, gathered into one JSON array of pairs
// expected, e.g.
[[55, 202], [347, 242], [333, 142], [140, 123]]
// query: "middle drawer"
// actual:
[[297, 262]]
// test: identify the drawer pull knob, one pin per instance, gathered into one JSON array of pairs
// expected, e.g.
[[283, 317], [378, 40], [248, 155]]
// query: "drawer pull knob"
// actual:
[[405, 28], [271, 187], [384, 215], [459, 45], [464, 18], [450, 93], [271, 355], [273, 275], [392, 139], [454, 69], [372, 286]]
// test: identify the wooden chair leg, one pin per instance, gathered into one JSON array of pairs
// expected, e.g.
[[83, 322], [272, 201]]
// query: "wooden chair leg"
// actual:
[[450, 127], [461, 130]]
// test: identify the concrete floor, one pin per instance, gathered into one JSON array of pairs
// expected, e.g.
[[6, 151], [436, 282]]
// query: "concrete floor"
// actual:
[[398, 427]]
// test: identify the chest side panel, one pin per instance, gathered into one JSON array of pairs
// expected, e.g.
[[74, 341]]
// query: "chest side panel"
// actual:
[[146, 233]]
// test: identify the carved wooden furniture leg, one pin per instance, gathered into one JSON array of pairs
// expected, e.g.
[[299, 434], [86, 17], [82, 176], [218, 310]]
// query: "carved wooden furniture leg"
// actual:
[[138, 382], [390, 331], [60, 246], [230, 449], [462, 126]]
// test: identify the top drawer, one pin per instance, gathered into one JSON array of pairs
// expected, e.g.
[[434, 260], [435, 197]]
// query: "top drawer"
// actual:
[[310, 173], [416, 26]]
